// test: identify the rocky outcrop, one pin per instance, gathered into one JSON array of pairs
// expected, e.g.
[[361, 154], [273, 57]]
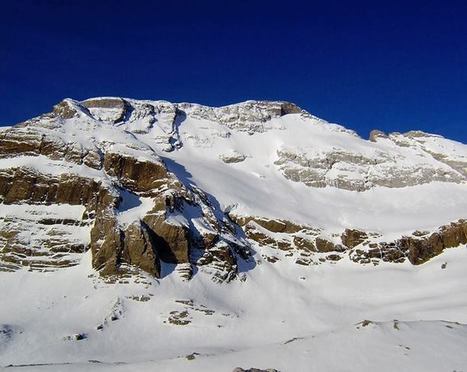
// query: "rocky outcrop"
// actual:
[[139, 249], [173, 240], [299, 241], [375, 134], [19, 185], [134, 174], [232, 157], [162, 235], [32, 142], [40, 236], [249, 116], [107, 109], [273, 225], [306, 242], [358, 172], [417, 248], [170, 231], [326, 246], [421, 250], [351, 238]]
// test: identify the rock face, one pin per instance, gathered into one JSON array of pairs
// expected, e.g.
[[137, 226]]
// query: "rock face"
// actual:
[[351, 238], [105, 179], [417, 249], [310, 245], [358, 172], [95, 175]]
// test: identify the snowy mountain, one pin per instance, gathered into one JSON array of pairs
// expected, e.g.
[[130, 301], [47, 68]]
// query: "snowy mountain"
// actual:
[[147, 234]]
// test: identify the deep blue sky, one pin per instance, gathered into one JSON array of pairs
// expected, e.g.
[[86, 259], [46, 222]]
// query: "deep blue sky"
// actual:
[[389, 65]]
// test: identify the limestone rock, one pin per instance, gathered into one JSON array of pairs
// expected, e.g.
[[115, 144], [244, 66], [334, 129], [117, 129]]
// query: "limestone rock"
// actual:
[[351, 238], [323, 245], [232, 157], [136, 175], [375, 134], [139, 248]]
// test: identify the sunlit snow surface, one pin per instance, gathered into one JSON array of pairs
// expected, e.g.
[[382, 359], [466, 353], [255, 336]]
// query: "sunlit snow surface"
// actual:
[[281, 315], [284, 316]]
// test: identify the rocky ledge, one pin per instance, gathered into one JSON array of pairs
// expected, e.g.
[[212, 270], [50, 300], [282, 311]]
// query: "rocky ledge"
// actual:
[[308, 246]]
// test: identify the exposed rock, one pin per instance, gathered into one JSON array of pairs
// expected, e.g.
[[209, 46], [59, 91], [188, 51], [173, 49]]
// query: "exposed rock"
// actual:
[[323, 245], [233, 157], [65, 110], [454, 234], [351, 238], [249, 116], [304, 244], [180, 318], [359, 172], [172, 240], [106, 243], [139, 248], [32, 142], [418, 249], [24, 185], [136, 175], [333, 257], [115, 109], [375, 134], [273, 225]]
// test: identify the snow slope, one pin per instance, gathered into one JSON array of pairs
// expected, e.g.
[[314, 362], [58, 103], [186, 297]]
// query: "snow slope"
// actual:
[[287, 317], [263, 159]]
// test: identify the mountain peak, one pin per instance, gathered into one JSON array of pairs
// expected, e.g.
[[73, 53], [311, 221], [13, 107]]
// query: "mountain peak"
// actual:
[[141, 217]]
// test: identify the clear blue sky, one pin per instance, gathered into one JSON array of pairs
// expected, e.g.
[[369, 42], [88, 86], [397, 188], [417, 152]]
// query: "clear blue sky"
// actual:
[[389, 65]]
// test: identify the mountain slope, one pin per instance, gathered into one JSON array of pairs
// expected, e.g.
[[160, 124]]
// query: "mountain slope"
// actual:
[[136, 228]]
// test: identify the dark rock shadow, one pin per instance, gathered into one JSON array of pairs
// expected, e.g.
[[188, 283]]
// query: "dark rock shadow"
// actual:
[[127, 111], [175, 140], [167, 268], [128, 200]]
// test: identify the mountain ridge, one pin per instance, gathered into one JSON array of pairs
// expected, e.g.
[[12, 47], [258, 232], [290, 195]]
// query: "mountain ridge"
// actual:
[[135, 149], [145, 234]]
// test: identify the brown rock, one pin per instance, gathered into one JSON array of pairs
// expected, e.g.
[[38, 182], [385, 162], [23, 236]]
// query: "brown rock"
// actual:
[[305, 244], [375, 134], [138, 176], [351, 238], [454, 234], [323, 245], [273, 225], [24, 185], [64, 110], [172, 241], [139, 249], [106, 243]]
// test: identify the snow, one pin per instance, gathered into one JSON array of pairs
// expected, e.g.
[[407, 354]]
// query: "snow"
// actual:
[[275, 315], [44, 165], [250, 323], [37, 212], [256, 187], [132, 207]]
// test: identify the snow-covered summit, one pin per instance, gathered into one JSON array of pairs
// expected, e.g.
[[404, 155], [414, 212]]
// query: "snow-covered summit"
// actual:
[[244, 152]]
